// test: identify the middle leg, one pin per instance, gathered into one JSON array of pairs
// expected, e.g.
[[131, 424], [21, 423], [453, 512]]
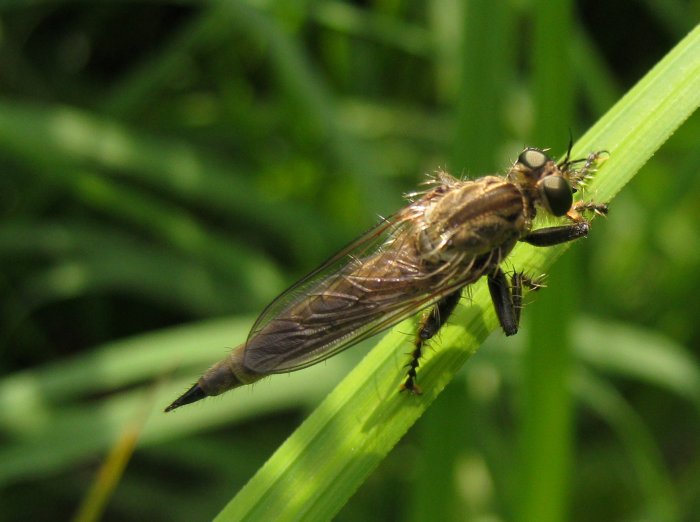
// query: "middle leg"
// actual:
[[503, 298], [508, 298]]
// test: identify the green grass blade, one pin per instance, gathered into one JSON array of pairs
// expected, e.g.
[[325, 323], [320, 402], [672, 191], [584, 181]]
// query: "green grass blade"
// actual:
[[51, 419], [321, 465], [636, 353], [657, 498], [546, 407], [71, 138]]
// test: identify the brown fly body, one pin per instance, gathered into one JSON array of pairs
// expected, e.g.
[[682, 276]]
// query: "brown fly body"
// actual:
[[445, 239]]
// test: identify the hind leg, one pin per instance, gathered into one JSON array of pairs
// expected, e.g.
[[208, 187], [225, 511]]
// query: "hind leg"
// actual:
[[430, 325]]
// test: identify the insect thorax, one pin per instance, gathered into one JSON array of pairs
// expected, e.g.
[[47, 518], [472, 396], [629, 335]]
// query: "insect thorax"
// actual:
[[471, 219]]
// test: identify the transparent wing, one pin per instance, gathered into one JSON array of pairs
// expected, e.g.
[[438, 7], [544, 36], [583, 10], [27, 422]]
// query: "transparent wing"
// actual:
[[370, 285], [364, 246]]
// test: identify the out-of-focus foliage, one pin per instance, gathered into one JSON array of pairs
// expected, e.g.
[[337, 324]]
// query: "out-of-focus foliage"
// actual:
[[174, 165]]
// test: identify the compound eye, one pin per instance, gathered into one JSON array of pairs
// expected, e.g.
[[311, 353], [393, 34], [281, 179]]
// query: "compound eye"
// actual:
[[533, 158], [557, 194]]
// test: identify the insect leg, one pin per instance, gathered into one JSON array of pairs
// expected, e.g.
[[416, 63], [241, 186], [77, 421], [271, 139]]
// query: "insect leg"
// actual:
[[554, 235], [516, 285], [517, 282], [578, 177], [505, 300], [430, 325]]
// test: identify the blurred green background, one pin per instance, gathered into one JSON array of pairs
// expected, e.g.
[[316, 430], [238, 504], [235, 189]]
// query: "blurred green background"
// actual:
[[167, 168]]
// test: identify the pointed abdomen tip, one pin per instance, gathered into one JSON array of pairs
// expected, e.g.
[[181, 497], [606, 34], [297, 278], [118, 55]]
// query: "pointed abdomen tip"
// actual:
[[194, 394]]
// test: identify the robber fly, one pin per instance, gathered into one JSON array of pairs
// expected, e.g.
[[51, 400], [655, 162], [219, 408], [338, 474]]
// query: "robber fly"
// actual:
[[446, 238]]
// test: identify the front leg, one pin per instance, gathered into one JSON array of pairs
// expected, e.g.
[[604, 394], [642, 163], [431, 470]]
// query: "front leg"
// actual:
[[574, 214], [579, 228], [555, 235]]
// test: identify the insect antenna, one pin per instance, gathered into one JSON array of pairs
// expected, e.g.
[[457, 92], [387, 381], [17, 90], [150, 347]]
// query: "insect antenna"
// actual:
[[568, 149]]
